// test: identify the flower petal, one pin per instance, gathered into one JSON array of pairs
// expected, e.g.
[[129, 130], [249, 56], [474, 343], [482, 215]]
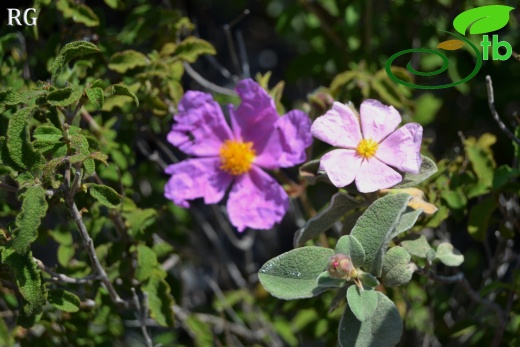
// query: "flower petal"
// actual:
[[200, 126], [402, 148], [338, 127], [256, 201], [288, 141], [374, 175], [378, 120], [196, 178], [341, 165], [254, 118]]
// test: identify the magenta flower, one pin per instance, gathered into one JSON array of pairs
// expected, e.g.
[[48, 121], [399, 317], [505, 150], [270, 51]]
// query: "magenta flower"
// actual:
[[258, 139], [370, 148]]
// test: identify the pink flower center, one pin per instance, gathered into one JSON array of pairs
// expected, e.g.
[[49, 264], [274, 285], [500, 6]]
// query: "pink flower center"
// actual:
[[237, 157], [367, 148]]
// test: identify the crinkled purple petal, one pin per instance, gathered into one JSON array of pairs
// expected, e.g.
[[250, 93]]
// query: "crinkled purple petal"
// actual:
[[288, 141], [196, 178], [378, 120], [200, 126], [402, 148], [341, 165], [338, 127], [254, 118], [256, 201], [374, 175]]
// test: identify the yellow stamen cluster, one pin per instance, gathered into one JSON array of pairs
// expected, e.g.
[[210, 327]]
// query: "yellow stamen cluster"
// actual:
[[237, 157], [367, 148]]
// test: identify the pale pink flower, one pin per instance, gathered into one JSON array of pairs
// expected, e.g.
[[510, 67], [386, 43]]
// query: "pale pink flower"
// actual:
[[369, 145]]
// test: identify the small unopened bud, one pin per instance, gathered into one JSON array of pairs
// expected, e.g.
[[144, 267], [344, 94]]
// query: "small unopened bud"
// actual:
[[340, 266]]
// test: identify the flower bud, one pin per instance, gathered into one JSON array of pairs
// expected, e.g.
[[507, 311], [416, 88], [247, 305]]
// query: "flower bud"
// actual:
[[340, 266]]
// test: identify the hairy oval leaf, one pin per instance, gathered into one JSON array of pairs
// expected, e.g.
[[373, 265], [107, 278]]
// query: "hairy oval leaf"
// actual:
[[293, 275]]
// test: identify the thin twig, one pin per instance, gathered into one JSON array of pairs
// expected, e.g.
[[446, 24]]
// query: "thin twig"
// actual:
[[460, 278], [238, 329], [89, 246], [142, 316], [57, 277], [207, 84], [8, 187], [494, 113]]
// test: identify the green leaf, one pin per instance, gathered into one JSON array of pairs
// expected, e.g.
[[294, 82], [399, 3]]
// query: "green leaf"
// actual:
[[418, 248], [479, 217], [449, 255], [340, 204], [20, 149], [406, 222], [160, 301], [362, 303], [324, 280], [503, 175], [28, 279], [146, 261], [48, 134], [455, 198], [481, 157], [191, 47], [104, 194], [383, 329], [64, 300], [119, 89], [64, 96], [68, 52], [482, 19], [368, 280], [396, 269], [293, 275], [350, 246], [127, 60], [427, 169], [376, 226], [5, 158], [34, 208], [96, 97], [78, 12]]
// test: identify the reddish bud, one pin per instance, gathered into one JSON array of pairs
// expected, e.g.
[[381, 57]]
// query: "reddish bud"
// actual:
[[340, 266]]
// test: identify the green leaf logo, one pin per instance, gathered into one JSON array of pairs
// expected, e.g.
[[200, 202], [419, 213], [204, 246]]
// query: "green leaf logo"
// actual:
[[482, 19]]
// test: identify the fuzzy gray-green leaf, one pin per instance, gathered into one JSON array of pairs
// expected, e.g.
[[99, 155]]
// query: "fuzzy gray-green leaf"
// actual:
[[293, 275], [396, 269], [418, 248], [350, 246], [324, 280], [64, 300], [104, 195], [368, 280], [376, 226], [340, 204], [383, 329], [407, 221], [362, 303], [449, 255], [427, 169]]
